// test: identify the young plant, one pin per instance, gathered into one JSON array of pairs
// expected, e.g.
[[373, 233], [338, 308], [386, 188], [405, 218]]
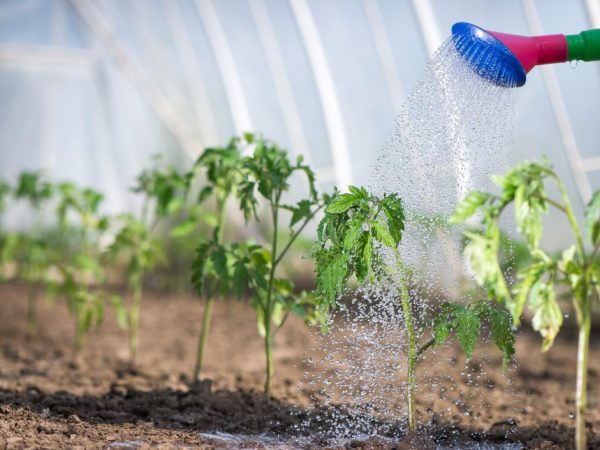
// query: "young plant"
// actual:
[[82, 275], [356, 238], [222, 170], [164, 191], [537, 282], [33, 256], [6, 239], [144, 252], [237, 267]]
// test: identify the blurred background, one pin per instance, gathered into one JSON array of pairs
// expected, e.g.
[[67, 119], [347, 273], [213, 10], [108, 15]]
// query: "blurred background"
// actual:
[[91, 89]]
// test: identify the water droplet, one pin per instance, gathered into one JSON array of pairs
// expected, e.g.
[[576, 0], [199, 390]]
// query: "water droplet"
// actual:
[[574, 63]]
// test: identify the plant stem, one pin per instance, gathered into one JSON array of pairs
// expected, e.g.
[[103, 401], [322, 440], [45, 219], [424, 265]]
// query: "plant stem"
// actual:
[[32, 300], [412, 358], [269, 355], [411, 377], [297, 233], [568, 210], [210, 300], [425, 346], [270, 370], [206, 316], [581, 396], [134, 321]]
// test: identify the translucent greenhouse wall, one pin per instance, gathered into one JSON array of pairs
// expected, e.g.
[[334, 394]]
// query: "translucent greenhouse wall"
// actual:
[[91, 89]]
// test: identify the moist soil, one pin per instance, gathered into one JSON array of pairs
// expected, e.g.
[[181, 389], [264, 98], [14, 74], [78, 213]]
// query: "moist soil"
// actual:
[[51, 397]]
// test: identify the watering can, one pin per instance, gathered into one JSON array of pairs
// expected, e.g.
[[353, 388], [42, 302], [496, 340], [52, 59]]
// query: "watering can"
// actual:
[[505, 59]]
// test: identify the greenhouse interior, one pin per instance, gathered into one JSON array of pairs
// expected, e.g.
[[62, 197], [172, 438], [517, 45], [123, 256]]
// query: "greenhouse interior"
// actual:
[[300, 224]]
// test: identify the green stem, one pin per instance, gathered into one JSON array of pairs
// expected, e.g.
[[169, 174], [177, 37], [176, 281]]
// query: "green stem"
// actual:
[[270, 369], [297, 233], [581, 396], [423, 348], [412, 358], [269, 306], [568, 210], [411, 377], [79, 332], [208, 306], [32, 300], [206, 317], [134, 321]]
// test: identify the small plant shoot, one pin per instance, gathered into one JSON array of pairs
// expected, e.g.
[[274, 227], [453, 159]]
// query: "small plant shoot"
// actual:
[[538, 281], [164, 190], [237, 267], [221, 167], [82, 275], [352, 236]]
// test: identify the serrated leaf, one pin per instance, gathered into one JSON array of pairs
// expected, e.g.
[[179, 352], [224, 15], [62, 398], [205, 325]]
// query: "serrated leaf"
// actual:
[[219, 261], [241, 278], [592, 219], [526, 279], [394, 213], [353, 235], [342, 203], [467, 324], [469, 206], [502, 334], [547, 317], [383, 235], [300, 212]]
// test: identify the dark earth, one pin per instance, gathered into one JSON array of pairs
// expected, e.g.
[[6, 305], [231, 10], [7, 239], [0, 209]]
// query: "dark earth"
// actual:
[[52, 398]]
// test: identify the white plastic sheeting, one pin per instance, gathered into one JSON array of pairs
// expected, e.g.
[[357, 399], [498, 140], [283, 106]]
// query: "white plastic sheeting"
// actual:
[[90, 89]]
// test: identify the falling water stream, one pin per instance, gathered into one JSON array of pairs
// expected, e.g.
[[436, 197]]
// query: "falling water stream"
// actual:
[[454, 129]]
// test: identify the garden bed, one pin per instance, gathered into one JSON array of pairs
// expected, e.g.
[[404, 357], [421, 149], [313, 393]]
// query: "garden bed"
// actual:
[[53, 399]]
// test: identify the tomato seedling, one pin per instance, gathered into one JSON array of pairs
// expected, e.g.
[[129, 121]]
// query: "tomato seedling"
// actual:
[[82, 276], [33, 256], [144, 252], [238, 267], [351, 238], [164, 190], [221, 167], [537, 282]]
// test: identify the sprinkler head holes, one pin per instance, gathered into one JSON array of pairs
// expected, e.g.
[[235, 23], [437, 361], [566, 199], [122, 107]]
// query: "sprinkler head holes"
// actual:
[[487, 56]]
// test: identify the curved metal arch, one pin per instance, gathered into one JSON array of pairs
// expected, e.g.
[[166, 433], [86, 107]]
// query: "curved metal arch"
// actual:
[[226, 65], [384, 53], [560, 110], [191, 71], [327, 92]]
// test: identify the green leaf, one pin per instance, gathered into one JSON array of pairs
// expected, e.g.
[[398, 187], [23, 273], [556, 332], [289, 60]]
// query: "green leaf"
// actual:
[[353, 234], [185, 228], [241, 278], [301, 211], [469, 206], [332, 273], [204, 193], [120, 311], [592, 219], [383, 235], [467, 325], [394, 213], [547, 317], [502, 334], [526, 279], [219, 261], [342, 203]]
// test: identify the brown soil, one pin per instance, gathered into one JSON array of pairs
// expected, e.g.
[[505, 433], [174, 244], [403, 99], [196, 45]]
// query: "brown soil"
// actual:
[[51, 398]]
